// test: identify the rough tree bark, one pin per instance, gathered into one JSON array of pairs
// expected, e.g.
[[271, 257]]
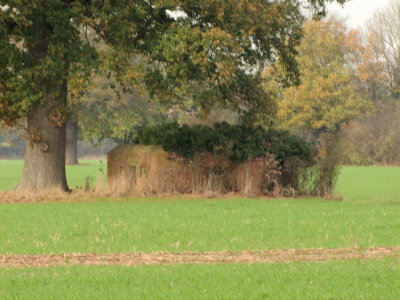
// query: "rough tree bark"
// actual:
[[44, 162], [44, 165], [71, 146]]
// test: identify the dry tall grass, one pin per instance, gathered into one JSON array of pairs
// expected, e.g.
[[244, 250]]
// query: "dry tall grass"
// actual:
[[205, 175], [48, 195]]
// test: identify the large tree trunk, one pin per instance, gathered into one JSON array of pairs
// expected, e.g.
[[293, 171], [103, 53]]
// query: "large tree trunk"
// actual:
[[44, 166], [71, 146]]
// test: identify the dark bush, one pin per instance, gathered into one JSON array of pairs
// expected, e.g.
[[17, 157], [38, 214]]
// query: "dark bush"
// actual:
[[238, 142]]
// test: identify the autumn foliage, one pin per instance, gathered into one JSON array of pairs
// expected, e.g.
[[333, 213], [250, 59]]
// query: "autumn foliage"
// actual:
[[328, 94]]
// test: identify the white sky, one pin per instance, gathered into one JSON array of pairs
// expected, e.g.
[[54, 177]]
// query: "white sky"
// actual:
[[357, 12]]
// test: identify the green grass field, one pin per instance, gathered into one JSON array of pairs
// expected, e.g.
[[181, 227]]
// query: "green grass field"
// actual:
[[11, 170], [369, 215], [330, 280]]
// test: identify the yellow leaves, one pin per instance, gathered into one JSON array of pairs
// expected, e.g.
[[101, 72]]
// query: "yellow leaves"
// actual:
[[200, 59], [327, 94], [220, 14], [218, 37]]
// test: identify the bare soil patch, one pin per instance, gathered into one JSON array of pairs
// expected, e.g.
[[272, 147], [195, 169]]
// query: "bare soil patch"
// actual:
[[164, 258]]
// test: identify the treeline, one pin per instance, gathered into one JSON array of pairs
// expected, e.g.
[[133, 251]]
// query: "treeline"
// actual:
[[349, 84], [374, 138], [133, 65], [349, 88], [12, 146]]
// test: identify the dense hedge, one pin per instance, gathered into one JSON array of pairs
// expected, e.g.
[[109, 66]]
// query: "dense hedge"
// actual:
[[238, 142]]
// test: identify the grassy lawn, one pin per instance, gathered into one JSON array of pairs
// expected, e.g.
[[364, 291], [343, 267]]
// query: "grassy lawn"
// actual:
[[195, 225], [370, 185], [378, 279], [368, 216], [11, 170]]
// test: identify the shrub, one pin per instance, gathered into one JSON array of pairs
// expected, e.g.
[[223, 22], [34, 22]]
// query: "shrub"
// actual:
[[283, 161], [239, 143]]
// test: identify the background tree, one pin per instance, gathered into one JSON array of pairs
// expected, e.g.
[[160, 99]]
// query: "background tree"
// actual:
[[71, 143], [384, 31], [328, 95], [372, 81], [106, 110], [375, 138], [11, 146], [211, 44]]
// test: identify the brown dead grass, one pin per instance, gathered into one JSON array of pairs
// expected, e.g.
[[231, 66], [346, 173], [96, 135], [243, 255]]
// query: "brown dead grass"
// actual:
[[80, 195], [138, 170], [50, 195], [163, 258]]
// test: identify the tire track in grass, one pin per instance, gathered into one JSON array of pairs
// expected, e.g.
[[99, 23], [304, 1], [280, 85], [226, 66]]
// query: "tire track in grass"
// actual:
[[219, 257]]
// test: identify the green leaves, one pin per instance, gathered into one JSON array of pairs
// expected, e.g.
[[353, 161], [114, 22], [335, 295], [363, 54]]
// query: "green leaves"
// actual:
[[196, 50], [239, 143]]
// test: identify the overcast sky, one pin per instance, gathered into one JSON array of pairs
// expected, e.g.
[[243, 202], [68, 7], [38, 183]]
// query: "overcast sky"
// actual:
[[357, 12]]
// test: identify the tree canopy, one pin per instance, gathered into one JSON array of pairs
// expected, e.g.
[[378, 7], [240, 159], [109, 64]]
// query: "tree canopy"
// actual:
[[328, 94], [211, 51], [384, 37], [202, 49], [107, 111]]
